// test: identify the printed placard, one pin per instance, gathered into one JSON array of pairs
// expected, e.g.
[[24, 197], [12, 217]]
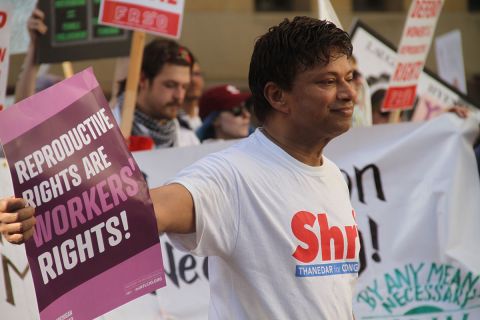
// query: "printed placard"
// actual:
[[96, 243], [163, 18], [75, 34], [449, 57], [414, 46], [376, 61]]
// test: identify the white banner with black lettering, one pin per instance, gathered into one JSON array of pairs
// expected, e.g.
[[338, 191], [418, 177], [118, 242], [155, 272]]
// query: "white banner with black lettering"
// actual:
[[416, 191]]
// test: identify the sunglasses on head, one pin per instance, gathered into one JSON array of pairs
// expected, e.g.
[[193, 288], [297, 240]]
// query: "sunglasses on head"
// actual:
[[238, 111]]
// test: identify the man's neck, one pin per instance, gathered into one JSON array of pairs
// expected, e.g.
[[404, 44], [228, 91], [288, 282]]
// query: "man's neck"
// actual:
[[190, 106], [145, 112], [301, 148]]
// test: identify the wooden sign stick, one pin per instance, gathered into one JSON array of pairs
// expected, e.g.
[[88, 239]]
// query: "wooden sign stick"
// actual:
[[67, 67], [134, 68], [394, 116]]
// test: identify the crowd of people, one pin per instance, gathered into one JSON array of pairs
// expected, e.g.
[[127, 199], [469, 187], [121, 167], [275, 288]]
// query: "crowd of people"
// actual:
[[303, 91], [173, 109]]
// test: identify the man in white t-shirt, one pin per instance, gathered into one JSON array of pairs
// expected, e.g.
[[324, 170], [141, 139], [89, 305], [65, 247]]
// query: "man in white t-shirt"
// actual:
[[271, 212]]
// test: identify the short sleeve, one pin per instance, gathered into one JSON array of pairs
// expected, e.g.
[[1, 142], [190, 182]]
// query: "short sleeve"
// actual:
[[212, 184]]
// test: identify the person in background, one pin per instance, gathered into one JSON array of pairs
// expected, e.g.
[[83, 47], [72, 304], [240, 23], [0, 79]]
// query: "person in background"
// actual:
[[164, 80], [190, 107], [27, 80], [264, 209], [379, 116], [383, 117], [362, 113], [224, 113]]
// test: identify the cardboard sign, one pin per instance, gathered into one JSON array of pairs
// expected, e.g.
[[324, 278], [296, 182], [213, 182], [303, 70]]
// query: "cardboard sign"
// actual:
[[163, 17], [376, 58], [449, 57], [95, 245], [74, 33], [326, 12], [20, 39], [414, 46], [5, 23]]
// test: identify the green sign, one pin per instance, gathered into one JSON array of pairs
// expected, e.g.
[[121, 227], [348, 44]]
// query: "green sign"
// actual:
[[75, 34]]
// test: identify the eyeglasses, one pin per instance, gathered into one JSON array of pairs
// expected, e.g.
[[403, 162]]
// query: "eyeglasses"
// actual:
[[238, 111]]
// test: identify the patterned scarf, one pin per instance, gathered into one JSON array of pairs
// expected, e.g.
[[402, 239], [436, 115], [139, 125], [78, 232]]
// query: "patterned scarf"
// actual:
[[164, 135]]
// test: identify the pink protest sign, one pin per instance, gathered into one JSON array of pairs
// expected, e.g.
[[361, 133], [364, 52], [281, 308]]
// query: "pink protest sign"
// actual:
[[96, 243], [163, 17], [414, 46]]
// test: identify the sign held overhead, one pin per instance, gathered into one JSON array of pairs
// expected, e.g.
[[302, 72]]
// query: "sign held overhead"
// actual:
[[163, 18]]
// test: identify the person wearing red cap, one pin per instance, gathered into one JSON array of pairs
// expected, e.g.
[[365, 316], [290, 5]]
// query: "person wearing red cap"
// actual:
[[271, 212], [224, 114]]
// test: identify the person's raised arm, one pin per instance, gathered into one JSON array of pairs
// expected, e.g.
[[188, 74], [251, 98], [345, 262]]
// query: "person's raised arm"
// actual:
[[25, 86]]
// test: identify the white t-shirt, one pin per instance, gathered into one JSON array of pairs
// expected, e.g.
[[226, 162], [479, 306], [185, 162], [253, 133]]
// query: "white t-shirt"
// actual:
[[186, 137], [258, 217]]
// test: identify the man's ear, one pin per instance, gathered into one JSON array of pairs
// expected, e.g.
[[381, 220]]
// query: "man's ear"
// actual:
[[142, 83], [276, 96]]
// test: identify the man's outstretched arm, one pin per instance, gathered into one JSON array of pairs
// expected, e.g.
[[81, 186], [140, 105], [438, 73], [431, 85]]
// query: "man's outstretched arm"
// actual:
[[173, 205], [174, 209]]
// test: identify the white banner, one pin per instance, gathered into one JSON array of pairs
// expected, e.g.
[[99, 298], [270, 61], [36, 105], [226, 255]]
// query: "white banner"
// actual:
[[415, 188]]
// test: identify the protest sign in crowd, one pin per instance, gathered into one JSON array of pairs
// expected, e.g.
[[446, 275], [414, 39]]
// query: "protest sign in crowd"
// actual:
[[343, 184]]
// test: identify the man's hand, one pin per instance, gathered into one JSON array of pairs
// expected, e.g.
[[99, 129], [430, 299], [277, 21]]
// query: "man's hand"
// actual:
[[16, 220], [459, 110], [35, 24]]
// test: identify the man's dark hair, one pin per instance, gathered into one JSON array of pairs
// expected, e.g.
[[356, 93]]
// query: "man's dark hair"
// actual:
[[289, 48], [160, 52]]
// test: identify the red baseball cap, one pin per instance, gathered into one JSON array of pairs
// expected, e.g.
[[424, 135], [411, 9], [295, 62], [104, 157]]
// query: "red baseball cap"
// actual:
[[221, 98]]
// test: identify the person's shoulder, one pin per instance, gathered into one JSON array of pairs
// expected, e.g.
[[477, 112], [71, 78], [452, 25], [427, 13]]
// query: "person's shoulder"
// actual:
[[330, 165], [186, 137]]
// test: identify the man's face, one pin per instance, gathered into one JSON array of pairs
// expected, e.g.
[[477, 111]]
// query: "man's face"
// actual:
[[162, 97], [321, 99]]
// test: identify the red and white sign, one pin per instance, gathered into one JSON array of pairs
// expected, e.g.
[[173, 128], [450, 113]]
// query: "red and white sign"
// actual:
[[416, 40], [161, 17], [5, 15]]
